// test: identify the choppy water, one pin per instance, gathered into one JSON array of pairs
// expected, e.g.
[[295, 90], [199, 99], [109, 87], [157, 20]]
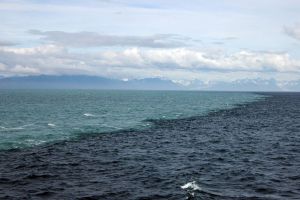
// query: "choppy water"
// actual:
[[33, 117], [251, 151]]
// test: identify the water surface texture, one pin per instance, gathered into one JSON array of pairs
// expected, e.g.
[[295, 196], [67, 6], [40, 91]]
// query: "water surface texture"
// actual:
[[33, 117], [250, 151]]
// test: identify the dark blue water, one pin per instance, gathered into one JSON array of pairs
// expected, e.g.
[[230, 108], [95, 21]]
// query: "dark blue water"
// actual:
[[251, 151]]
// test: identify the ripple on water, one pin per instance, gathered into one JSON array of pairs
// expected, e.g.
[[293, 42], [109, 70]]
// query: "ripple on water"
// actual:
[[236, 162]]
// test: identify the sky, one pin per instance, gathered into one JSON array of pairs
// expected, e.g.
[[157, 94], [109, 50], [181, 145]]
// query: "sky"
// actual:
[[182, 41]]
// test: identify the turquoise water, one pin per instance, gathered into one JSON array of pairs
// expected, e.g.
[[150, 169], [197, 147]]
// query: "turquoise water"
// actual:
[[33, 117]]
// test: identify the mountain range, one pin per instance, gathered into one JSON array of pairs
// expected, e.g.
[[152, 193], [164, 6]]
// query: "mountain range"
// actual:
[[95, 82], [85, 82]]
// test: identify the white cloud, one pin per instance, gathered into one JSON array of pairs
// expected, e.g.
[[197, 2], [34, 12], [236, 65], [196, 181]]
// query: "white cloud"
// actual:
[[182, 58], [179, 64], [24, 70], [44, 49], [18, 70]]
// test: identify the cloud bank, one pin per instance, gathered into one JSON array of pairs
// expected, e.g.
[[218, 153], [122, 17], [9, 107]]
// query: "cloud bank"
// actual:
[[180, 64]]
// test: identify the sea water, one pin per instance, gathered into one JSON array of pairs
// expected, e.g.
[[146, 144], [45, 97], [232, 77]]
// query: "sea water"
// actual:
[[33, 117], [197, 145]]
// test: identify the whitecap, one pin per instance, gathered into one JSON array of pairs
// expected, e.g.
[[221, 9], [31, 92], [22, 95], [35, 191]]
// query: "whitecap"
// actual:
[[191, 186], [51, 125], [109, 126], [19, 127], [34, 142], [26, 125], [88, 115], [12, 128]]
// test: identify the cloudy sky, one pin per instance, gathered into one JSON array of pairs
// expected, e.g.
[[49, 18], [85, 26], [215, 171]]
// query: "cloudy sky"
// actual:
[[215, 40]]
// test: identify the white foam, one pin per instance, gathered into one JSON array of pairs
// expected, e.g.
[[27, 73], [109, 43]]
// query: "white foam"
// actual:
[[12, 128], [51, 125], [108, 126], [88, 115], [34, 142], [191, 186], [27, 125]]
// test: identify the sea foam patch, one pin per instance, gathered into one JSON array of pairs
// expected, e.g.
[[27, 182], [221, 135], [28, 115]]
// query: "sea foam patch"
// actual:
[[51, 125], [191, 186], [88, 115]]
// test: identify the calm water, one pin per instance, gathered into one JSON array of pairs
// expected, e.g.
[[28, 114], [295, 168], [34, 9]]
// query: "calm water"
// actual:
[[250, 151], [34, 117]]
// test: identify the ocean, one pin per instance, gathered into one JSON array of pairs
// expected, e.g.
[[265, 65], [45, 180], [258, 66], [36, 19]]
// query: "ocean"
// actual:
[[33, 117], [97, 144]]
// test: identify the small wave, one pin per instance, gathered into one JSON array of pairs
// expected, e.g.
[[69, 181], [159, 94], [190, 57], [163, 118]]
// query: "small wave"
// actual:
[[12, 128], [110, 126], [27, 125], [191, 186], [33, 142], [88, 115], [15, 128], [51, 125]]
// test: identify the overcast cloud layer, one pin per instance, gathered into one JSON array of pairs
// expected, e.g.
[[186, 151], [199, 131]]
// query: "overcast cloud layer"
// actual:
[[200, 40]]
